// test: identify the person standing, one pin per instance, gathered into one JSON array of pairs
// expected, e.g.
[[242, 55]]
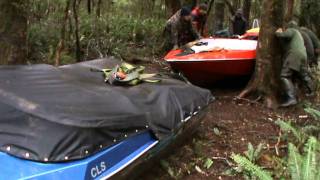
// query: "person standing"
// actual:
[[238, 23], [199, 18], [179, 30], [316, 43], [294, 63], [311, 58]]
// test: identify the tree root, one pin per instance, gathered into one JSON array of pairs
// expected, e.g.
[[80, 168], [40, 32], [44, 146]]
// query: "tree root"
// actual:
[[247, 91]]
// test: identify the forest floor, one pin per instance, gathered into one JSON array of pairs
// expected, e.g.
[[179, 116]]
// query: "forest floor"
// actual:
[[228, 128]]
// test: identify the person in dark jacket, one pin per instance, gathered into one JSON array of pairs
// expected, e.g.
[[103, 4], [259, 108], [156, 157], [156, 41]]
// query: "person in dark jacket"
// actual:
[[179, 30], [316, 43], [295, 63], [311, 58], [199, 18], [239, 23]]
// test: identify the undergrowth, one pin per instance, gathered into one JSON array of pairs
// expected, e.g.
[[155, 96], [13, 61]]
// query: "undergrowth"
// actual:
[[301, 161], [117, 32]]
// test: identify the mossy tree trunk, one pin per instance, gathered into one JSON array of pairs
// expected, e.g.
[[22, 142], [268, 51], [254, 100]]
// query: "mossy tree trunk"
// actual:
[[13, 32], [265, 80]]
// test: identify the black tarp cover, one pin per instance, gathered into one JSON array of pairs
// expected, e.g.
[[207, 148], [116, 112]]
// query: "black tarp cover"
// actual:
[[51, 114]]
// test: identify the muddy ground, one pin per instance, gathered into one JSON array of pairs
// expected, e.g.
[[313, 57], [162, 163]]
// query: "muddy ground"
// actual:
[[228, 128]]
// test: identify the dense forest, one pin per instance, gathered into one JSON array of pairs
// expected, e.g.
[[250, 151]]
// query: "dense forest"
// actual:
[[247, 139], [65, 31]]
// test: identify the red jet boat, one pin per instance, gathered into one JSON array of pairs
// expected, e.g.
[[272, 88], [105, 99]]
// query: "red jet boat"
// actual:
[[211, 60]]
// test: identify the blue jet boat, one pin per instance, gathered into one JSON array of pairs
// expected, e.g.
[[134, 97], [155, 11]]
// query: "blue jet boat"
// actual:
[[66, 123]]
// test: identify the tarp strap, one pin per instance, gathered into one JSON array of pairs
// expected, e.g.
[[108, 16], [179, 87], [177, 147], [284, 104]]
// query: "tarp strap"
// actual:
[[127, 74]]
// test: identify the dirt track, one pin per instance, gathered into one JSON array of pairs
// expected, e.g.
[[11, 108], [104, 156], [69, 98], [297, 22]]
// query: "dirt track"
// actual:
[[227, 129]]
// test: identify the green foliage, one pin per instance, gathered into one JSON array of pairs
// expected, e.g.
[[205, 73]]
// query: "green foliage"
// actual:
[[294, 162], [314, 127], [300, 166], [122, 30], [310, 14], [168, 168], [254, 154], [208, 163], [302, 161], [304, 166], [309, 164], [246, 165], [315, 113], [118, 34], [297, 133], [251, 169], [42, 42]]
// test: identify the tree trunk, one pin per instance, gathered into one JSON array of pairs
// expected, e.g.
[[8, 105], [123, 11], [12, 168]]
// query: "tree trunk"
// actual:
[[218, 19], [13, 32], [60, 46], [231, 8], [247, 9], [173, 6], [98, 11], [89, 6], [265, 80], [76, 21], [290, 8], [209, 16]]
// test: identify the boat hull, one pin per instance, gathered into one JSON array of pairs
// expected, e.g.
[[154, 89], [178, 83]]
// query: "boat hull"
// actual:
[[100, 166], [234, 58], [125, 160], [209, 72]]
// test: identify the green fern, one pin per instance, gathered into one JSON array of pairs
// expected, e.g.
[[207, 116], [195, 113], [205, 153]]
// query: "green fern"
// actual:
[[309, 165], [253, 169], [294, 162], [254, 154], [310, 129], [286, 126], [250, 152], [304, 166], [315, 113]]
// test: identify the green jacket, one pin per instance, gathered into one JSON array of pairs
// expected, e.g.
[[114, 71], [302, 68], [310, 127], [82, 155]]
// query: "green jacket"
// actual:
[[295, 51]]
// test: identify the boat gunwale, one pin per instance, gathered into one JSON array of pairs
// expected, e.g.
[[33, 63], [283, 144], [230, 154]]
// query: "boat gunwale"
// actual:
[[207, 60]]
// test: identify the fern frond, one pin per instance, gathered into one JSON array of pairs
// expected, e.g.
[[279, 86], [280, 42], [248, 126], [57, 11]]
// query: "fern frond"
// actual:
[[310, 129], [258, 151], [313, 112], [318, 175], [286, 126], [294, 162], [309, 165], [251, 168], [250, 152]]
